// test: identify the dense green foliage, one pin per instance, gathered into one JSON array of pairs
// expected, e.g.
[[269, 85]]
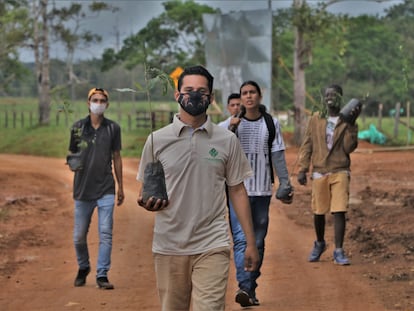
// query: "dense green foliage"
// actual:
[[173, 38], [366, 54], [14, 31]]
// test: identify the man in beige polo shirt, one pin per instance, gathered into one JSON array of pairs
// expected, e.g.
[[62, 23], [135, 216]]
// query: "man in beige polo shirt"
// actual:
[[191, 243]]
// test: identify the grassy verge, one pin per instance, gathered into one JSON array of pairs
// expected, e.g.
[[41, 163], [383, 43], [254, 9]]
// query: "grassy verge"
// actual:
[[19, 135], [52, 141]]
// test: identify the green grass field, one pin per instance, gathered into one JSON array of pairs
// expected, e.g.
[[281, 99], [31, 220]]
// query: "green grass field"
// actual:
[[19, 135], [24, 137]]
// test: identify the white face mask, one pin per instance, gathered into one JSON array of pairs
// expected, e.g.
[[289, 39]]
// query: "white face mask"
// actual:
[[97, 108]]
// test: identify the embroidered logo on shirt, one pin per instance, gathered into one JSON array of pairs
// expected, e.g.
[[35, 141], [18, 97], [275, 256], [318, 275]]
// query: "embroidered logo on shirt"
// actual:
[[213, 152], [213, 156]]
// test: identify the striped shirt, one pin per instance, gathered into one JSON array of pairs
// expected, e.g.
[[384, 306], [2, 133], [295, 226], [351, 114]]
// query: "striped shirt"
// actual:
[[253, 136]]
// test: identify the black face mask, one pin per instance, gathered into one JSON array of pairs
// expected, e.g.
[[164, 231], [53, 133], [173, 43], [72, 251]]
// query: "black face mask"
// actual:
[[194, 102]]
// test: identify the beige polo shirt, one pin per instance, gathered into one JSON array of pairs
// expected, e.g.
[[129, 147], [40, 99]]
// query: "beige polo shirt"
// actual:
[[197, 163]]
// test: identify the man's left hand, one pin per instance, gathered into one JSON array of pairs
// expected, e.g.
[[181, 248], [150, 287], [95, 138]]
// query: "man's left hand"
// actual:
[[121, 197], [285, 193]]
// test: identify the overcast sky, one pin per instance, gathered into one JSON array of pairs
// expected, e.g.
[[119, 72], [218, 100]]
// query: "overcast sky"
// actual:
[[135, 14]]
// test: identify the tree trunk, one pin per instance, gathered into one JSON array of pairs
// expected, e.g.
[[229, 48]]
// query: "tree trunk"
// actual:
[[43, 78], [299, 85], [71, 74], [36, 43]]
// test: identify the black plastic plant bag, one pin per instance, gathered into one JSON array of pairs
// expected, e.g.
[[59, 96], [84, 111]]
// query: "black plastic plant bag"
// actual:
[[75, 161], [154, 182]]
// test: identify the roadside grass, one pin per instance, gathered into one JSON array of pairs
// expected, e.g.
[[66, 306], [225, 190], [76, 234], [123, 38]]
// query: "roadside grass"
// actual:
[[404, 134], [22, 137], [53, 140], [20, 133]]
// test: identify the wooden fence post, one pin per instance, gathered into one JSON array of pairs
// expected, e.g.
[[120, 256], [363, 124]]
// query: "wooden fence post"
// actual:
[[409, 123], [363, 115], [397, 119], [152, 126], [14, 118], [380, 108], [119, 112]]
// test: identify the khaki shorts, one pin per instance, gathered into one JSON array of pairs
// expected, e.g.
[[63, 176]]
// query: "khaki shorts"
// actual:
[[330, 193], [201, 279]]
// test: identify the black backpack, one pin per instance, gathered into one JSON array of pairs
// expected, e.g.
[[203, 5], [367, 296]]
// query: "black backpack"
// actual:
[[272, 134]]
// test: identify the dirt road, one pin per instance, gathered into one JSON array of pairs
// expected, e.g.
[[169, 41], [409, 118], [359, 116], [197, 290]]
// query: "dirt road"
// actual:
[[38, 266]]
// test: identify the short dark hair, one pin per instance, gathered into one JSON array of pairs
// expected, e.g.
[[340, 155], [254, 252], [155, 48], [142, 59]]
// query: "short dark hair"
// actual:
[[253, 83], [233, 96], [336, 87], [196, 70]]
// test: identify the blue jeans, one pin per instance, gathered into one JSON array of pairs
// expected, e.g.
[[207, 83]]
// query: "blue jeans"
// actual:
[[260, 216], [83, 215]]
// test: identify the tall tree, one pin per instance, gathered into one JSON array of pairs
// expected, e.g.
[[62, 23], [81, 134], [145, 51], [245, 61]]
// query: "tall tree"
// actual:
[[400, 19], [67, 28], [300, 62], [372, 58], [40, 45], [281, 65], [14, 30], [309, 24], [48, 21], [176, 37]]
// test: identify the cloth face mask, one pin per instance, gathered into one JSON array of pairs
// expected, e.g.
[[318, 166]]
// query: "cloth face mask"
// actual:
[[194, 103]]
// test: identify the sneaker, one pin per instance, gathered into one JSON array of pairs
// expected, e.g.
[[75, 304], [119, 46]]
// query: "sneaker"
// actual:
[[318, 249], [340, 258], [103, 283], [243, 298], [81, 277], [256, 301]]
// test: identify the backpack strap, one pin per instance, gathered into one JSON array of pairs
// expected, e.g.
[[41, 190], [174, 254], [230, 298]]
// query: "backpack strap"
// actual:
[[272, 134], [110, 129]]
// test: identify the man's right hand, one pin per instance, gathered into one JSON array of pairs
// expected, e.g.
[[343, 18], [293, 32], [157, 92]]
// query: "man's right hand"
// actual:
[[153, 204], [251, 258], [234, 123], [302, 178]]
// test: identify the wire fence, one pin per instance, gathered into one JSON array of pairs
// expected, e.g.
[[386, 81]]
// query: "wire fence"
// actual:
[[140, 119]]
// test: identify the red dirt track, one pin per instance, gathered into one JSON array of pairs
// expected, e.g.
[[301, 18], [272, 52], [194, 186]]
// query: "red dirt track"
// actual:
[[38, 264]]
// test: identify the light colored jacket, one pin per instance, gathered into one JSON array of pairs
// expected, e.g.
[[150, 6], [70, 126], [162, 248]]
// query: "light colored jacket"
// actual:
[[314, 150]]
